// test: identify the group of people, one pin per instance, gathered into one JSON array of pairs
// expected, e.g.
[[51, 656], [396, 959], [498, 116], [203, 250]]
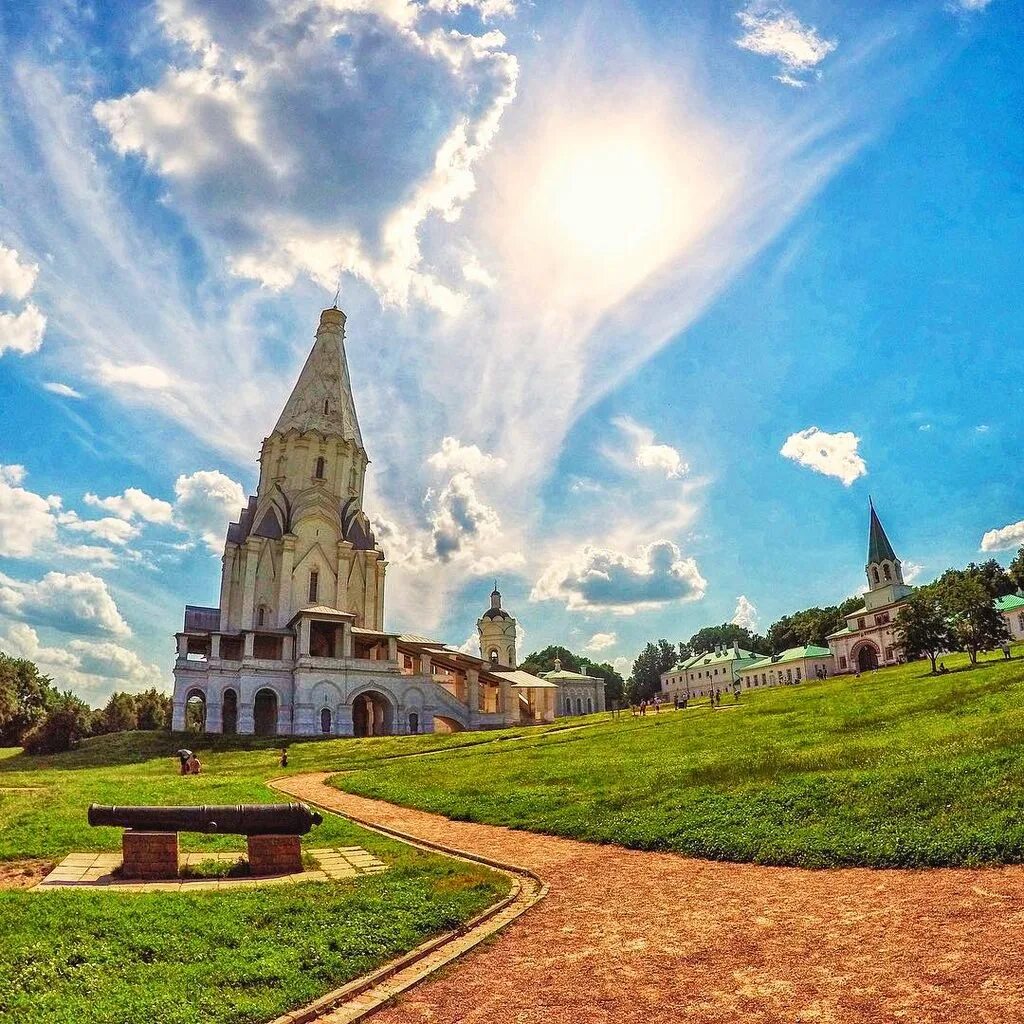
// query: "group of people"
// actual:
[[679, 703]]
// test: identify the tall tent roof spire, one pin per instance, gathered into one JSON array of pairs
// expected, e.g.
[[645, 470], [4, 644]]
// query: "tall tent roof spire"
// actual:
[[322, 397], [879, 548]]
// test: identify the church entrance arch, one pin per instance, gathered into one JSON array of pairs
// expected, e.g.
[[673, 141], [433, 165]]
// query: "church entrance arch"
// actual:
[[265, 713], [195, 711], [230, 712], [867, 658], [372, 715]]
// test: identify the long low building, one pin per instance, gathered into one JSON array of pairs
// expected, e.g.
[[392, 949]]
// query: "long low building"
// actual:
[[704, 673], [791, 666], [1012, 610]]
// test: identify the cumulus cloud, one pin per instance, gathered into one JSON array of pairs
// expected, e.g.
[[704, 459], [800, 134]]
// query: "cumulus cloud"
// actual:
[[601, 642], [454, 457], [205, 502], [834, 455], [64, 390], [597, 579], [911, 571], [1004, 538], [133, 503], [774, 31], [273, 131], [646, 454], [17, 278], [27, 520], [23, 331], [459, 519], [137, 375], [77, 603], [745, 614], [110, 529]]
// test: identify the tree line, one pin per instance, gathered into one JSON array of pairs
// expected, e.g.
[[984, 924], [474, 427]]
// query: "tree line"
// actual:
[[35, 715], [954, 613]]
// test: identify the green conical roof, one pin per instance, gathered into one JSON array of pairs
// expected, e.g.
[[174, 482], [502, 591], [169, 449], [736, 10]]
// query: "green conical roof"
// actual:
[[879, 548]]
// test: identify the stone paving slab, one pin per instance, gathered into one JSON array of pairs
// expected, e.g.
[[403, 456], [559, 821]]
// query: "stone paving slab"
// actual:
[[97, 870]]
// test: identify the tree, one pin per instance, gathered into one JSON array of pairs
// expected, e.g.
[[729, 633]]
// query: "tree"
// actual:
[[710, 637], [995, 578], [922, 627], [650, 663], [25, 695], [120, 715], [968, 605], [544, 661], [614, 684], [809, 626], [1015, 570], [153, 709], [67, 721]]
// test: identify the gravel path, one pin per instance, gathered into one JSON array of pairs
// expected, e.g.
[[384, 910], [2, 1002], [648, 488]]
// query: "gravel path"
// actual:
[[625, 936]]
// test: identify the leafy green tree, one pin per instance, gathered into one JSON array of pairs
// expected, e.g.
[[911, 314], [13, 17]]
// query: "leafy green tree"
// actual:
[[544, 661], [922, 626], [153, 709], [25, 695], [968, 604], [809, 626], [120, 715], [68, 720], [645, 679], [710, 637], [1015, 570], [995, 578]]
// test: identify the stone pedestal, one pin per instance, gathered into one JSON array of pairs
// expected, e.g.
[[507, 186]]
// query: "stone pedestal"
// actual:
[[275, 855], [149, 854]]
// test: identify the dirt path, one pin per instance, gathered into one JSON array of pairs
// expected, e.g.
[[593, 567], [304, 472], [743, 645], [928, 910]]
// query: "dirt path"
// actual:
[[625, 936]]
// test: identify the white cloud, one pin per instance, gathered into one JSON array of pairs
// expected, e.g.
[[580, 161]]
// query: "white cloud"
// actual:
[[110, 530], [745, 614], [460, 521], [982, 428], [454, 457], [16, 278], [27, 520], [64, 390], [596, 579], [77, 603], [773, 31], [90, 667], [23, 331], [205, 502], [647, 455], [911, 571], [488, 9], [133, 502], [1005, 538], [246, 133], [971, 5], [601, 642], [471, 645], [138, 375], [832, 454]]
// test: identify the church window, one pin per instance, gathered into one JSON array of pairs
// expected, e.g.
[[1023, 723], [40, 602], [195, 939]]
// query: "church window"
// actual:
[[579, 705], [789, 675], [798, 675], [874, 574], [568, 705], [860, 623], [590, 706], [314, 584], [327, 406], [842, 661], [261, 616], [494, 656], [887, 571], [888, 654], [1020, 620], [325, 721], [320, 464]]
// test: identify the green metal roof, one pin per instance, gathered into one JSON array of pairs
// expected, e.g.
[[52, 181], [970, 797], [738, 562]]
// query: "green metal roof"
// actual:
[[793, 654], [1010, 603], [879, 548], [840, 632]]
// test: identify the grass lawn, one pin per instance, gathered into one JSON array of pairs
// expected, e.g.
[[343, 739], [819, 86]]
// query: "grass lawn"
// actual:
[[88, 956], [896, 768]]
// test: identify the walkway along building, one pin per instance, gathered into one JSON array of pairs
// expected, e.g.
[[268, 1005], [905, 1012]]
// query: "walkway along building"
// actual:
[[297, 645], [868, 640]]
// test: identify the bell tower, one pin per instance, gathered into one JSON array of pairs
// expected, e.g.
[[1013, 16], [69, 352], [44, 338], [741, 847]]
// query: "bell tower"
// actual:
[[497, 631], [884, 570]]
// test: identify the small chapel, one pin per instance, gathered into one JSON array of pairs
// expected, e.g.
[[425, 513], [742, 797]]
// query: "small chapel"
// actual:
[[297, 645], [868, 640]]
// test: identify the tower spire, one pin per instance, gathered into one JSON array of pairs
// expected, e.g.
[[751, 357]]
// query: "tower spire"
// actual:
[[879, 548]]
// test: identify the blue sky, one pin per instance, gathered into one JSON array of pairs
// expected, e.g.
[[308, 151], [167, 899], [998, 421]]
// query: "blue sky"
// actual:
[[644, 300]]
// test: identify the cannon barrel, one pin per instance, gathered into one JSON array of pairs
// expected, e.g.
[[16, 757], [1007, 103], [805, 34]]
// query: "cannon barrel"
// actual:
[[230, 819]]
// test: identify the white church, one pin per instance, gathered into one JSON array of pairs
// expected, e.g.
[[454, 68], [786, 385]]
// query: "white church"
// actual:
[[297, 645]]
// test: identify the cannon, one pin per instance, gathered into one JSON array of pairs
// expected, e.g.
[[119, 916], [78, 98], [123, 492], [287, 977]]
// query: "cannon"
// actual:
[[227, 819]]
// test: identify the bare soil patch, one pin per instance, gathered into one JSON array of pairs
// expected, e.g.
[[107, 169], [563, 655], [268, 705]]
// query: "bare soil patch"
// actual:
[[23, 874]]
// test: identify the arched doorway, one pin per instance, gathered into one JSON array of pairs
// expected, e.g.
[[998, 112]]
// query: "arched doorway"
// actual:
[[229, 712], [325, 721], [867, 658], [195, 711], [265, 713], [371, 715], [414, 722]]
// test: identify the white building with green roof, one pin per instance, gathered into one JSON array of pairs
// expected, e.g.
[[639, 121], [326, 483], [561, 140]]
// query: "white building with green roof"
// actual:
[[578, 694], [788, 668], [1012, 610], [703, 674]]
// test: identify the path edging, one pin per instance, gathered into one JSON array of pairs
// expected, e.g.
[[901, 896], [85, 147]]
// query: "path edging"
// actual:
[[477, 929]]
